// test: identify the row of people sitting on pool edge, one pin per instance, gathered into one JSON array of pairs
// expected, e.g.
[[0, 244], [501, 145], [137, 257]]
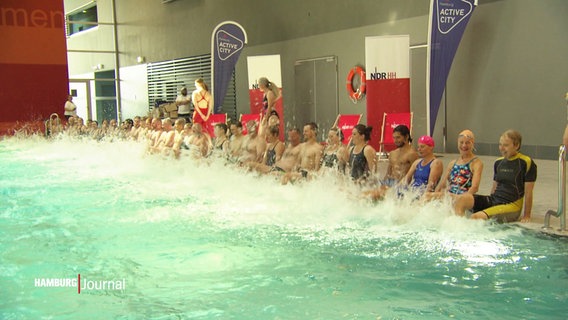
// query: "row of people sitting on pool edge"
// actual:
[[262, 151], [514, 175], [232, 145], [76, 126]]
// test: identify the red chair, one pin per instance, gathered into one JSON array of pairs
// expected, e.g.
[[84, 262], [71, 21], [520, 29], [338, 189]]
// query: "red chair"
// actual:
[[391, 121], [346, 123], [244, 118], [213, 120]]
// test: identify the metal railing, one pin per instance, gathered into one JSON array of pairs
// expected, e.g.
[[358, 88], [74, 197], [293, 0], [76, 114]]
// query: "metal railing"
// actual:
[[561, 212]]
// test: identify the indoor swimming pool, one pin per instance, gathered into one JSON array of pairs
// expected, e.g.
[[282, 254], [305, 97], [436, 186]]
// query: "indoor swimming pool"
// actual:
[[155, 238]]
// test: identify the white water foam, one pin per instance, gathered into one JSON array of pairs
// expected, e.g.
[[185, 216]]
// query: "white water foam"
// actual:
[[327, 210]]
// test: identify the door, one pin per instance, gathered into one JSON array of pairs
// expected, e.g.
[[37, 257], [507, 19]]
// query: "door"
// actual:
[[81, 92], [315, 84]]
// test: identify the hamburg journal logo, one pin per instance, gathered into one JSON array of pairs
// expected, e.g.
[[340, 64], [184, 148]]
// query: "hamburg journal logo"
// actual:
[[81, 284]]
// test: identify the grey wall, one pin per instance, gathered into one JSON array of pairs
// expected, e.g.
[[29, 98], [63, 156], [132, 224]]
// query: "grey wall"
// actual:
[[349, 46], [510, 71]]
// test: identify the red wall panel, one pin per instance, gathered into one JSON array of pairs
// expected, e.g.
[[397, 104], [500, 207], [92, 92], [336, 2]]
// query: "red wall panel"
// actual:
[[34, 80]]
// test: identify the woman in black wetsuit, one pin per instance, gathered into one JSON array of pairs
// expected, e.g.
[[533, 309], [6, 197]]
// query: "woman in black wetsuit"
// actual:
[[362, 157]]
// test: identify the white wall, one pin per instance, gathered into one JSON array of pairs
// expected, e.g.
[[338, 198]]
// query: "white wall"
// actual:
[[134, 91]]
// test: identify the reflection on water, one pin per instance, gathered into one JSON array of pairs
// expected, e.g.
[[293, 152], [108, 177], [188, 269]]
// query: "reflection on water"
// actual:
[[196, 240]]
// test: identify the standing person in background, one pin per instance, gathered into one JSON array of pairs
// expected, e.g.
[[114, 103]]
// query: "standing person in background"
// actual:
[[183, 102], [271, 95], [203, 103], [70, 108]]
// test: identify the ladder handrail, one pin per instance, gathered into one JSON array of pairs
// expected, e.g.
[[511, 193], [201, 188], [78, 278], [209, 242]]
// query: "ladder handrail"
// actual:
[[561, 212]]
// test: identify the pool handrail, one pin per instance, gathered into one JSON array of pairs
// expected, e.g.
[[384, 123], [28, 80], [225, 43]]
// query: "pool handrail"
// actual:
[[561, 212]]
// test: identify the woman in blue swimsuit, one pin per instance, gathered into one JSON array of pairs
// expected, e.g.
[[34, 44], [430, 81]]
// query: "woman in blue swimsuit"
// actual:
[[425, 173]]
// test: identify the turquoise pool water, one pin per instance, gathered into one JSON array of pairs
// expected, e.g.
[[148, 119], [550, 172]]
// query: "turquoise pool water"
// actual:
[[200, 241]]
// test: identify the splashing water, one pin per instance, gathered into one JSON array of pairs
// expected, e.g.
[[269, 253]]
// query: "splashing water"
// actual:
[[206, 240]]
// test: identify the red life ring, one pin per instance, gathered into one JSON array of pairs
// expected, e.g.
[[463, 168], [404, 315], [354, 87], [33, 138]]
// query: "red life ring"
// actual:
[[356, 95]]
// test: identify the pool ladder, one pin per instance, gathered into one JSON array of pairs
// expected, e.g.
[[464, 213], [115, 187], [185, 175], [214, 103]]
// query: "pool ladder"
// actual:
[[561, 212]]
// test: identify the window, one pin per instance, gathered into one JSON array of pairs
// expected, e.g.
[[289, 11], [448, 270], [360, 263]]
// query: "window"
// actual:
[[166, 78], [82, 19]]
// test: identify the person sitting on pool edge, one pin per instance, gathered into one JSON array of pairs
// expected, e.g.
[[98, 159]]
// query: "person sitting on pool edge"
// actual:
[[309, 157], [513, 183], [335, 151], [272, 153], [289, 158], [402, 158], [362, 157], [236, 141], [462, 174], [423, 175], [253, 145]]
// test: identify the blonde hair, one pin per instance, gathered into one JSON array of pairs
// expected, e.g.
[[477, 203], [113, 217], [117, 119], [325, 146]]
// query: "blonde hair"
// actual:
[[515, 137], [467, 134], [202, 84], [270, 85]]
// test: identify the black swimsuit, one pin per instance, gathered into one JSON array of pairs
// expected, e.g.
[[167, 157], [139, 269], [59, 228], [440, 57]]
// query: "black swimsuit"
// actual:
[[359, 165], [330, 160], [271, 155], [265, 108]]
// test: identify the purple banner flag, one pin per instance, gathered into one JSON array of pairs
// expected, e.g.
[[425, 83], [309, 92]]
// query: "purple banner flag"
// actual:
[[448, 20], [227, 42]]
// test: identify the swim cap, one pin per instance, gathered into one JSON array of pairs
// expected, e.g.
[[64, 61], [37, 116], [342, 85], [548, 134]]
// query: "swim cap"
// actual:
[[468, 134], [427, 140]]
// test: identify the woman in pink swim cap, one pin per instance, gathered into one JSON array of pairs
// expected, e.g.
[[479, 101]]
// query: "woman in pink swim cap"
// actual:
[[426, 171]]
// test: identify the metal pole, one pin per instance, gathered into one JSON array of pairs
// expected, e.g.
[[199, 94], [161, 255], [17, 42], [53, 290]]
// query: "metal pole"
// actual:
[[561, 212], [445, 131], [562, 187], [117, 65]]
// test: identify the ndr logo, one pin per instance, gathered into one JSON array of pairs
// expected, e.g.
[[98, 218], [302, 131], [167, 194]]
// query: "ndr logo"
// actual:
[[382, 75]]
